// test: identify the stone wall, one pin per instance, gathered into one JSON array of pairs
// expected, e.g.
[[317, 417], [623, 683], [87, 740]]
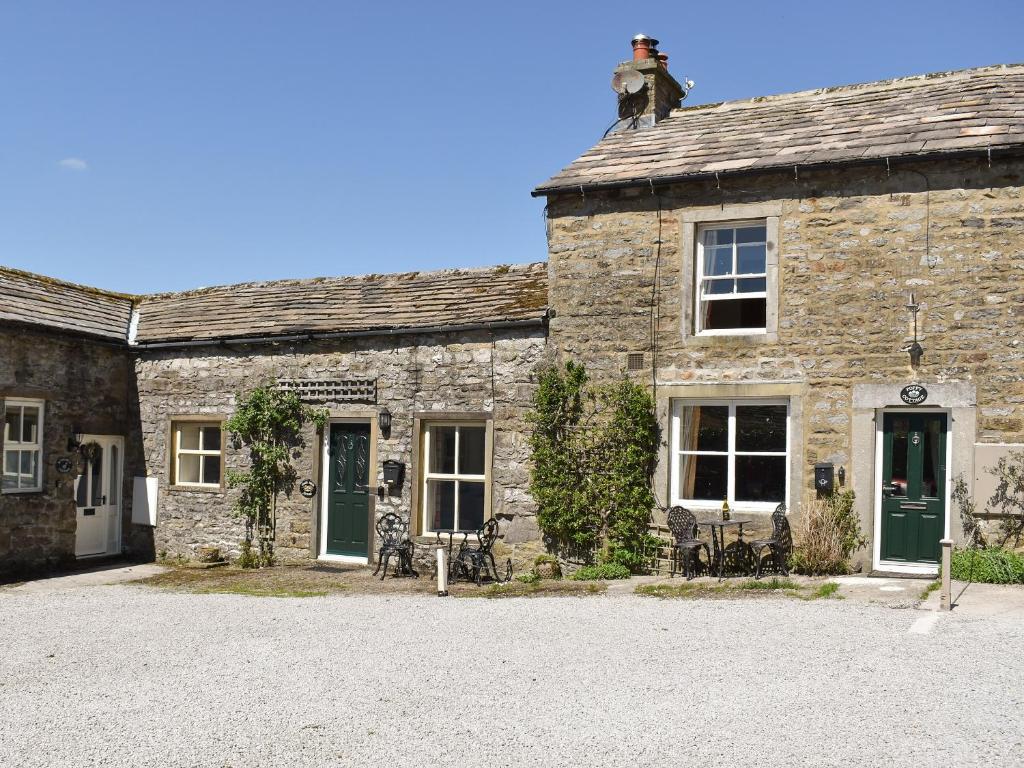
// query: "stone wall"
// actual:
[[852, 244], [470, 371], [85, 384]]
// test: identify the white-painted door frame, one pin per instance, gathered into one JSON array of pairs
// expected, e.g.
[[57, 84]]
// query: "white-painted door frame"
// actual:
[[876, 558], [111, 513], [325, 474]]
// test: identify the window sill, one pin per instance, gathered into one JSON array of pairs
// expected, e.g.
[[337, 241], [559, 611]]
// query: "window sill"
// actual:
[[196, 488], [753, 339], [20, 491]]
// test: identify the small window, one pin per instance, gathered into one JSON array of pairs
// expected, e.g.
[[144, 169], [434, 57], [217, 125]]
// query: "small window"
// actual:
[[23, 446], [730, 450], [454, 477], [732, 278], [197, 458]]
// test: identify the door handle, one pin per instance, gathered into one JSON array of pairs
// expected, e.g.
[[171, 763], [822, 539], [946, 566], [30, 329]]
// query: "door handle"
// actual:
[[359, 487], [890, 488]]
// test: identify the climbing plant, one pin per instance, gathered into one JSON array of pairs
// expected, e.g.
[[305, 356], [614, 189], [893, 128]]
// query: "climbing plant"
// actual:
[[594, 450], [268, 421]]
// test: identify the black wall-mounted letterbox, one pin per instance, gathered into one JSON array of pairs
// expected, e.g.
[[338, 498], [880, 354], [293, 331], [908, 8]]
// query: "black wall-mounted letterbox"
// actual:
[[824, 477], [394, 471]]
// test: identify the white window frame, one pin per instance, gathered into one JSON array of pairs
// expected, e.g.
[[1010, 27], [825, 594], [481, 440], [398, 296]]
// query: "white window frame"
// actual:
[[19, 447], [744, 506], [176, 427], [698, 292], [484, 479]]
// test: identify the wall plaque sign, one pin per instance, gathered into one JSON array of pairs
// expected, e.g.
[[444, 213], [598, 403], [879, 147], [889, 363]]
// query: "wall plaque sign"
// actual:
[[65, 465], [913, 394], [307, 488]]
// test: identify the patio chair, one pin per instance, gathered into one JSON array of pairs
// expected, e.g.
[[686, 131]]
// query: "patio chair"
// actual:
[[473, 560], [683, 525], [393, 535], [780, 544]]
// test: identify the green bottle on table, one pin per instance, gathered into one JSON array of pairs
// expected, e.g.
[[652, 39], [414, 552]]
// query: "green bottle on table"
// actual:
[[725, 511]]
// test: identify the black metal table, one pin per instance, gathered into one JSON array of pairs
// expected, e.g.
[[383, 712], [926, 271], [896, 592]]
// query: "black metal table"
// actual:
[[452, 533], [718, 539]]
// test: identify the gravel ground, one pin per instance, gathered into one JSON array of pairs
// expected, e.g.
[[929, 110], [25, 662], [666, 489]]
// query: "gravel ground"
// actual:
[[133, 676]]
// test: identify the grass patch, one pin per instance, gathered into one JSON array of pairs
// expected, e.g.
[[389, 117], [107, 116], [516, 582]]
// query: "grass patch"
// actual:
[[734, 589], [931, 588], [264, 582], [987, 566], [770, 585], [602, 572], [826, 591], [540, 588]]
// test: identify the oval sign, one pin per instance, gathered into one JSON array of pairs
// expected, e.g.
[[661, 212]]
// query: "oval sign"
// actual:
[[64, 465], [913, 394], [307, 488]]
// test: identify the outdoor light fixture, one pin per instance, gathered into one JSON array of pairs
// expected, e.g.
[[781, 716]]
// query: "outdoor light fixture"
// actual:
[[915, 349], [841, 474], [384, 421], [75, 440]]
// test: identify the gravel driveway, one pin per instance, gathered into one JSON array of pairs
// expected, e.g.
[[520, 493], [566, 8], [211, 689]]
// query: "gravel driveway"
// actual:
[[134, 676]]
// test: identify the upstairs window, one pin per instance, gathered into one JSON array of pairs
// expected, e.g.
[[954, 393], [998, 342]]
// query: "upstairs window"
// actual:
[[732, 278], [197, 454], [23, 446]]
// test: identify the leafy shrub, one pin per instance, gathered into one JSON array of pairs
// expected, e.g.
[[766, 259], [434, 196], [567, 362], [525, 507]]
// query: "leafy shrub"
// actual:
[[987, 566], [594, 451], [602, 572], [530, 577], [828, 535]]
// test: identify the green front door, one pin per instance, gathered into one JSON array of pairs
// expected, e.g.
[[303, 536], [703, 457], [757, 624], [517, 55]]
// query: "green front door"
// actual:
[[348, 494], [913, 486]]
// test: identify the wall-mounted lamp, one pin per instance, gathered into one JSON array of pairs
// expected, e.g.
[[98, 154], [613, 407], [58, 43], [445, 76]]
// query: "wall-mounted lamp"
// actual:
[[384, 421], [75, 440], [915, 349], [841, 474]]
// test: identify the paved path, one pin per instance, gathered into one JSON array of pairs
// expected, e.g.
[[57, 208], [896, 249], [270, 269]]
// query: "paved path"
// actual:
[[131, 676]]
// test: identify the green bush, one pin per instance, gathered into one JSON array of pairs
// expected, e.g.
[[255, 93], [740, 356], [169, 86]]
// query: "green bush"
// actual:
[[528, 578], [987, 566], [602, 572]]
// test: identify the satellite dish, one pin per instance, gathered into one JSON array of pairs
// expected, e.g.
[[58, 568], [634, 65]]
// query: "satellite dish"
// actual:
[[628, 82]]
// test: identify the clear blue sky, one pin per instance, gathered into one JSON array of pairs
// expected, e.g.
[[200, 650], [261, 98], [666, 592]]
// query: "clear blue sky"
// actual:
[[150, 146]]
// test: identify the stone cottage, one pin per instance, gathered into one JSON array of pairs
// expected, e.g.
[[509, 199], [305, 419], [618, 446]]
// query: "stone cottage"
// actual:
[[822, 289]]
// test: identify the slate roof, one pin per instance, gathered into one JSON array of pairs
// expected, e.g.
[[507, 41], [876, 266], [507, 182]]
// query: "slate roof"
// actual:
[[971, 109], [57, 305], [370, 303]]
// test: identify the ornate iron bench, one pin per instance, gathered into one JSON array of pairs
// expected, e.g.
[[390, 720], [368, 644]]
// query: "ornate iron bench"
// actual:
[[393, 536]]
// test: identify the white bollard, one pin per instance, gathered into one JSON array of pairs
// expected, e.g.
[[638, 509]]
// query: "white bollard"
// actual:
[[946, 591], [442, 571]]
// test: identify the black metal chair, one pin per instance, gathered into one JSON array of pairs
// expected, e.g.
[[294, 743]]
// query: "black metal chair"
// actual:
[[472, 561], [683, 525], [393, 536], [780, 544]]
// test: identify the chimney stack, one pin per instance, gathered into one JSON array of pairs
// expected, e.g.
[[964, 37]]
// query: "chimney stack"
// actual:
[[662, 93]]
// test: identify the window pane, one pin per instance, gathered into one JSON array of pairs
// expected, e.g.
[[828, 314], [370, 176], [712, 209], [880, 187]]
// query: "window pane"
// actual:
[[761, 478], [471, 450], [96, 478], [441, 503], [718, 287], [931, 459], [733, 313], [752, 285], [188, 468], [189, 436], [761, 428], [114, 490], [703, 477], [30, 425], [81, 487], [718, 237], [10, 469], [704, 428], [718, 261], [211, 438], [750, 259], [471, 505], [900, 446], [211, 470], [12, 424], [751, 234], [442, 450]]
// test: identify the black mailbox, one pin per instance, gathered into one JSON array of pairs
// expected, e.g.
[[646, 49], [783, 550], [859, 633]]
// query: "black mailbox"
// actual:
[[824, 477], [393, 473]]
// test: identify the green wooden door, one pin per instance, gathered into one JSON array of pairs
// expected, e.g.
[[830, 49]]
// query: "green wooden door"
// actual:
[[913, 486], [348, 499]]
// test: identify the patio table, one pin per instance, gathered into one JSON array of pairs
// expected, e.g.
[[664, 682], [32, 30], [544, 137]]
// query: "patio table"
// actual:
[[718, 539], [452, 533]]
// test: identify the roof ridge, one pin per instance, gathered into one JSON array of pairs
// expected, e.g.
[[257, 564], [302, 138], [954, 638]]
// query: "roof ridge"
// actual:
[[908, 80], [23, 273]]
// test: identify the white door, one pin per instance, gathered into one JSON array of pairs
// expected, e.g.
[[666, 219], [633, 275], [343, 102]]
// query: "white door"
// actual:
[[98, 497]]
